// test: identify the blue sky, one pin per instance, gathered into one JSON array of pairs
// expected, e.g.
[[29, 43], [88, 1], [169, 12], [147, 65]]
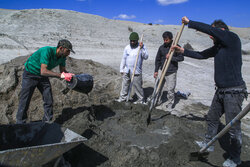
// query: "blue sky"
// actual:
[[235, 13]]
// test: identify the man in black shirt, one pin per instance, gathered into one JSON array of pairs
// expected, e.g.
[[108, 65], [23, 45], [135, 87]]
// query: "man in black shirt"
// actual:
[[230, 86], [170, 77]]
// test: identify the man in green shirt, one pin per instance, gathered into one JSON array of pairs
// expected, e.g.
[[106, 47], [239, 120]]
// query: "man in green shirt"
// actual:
[[36, 72]]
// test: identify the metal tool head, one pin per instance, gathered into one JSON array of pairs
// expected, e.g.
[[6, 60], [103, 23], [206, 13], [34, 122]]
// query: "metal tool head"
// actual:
[[148, 119], [198, 156], [151, 106]]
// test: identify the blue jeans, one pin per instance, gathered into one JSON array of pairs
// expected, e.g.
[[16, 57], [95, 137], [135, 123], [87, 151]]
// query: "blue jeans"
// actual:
[[227, 101], [29, 83]]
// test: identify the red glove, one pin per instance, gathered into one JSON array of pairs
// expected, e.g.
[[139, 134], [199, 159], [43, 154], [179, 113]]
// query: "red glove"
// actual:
[[67, 76]]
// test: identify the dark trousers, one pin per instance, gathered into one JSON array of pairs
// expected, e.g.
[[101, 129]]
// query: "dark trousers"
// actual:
[[29, 83], [227, 101]]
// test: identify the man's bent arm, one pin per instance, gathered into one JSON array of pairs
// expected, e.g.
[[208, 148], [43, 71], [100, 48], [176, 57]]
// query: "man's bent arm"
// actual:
[[217, 33], [45, 72]]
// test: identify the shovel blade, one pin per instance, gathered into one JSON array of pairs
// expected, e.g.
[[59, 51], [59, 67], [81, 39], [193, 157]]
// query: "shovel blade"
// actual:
[[150, 109], [198, 156], [148, 119]]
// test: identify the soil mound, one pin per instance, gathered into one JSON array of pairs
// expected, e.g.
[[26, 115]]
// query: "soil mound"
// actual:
[[106, 87]]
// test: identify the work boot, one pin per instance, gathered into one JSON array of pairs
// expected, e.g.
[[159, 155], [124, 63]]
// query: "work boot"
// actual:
[[120, 100], [229, 163], [140, 102], [203, 144]]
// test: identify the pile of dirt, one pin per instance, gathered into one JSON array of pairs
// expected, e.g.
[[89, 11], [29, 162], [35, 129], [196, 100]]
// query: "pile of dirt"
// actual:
[[105, 88], [117, 133]]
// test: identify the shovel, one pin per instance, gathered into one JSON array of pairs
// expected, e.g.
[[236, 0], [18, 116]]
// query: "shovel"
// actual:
[[154, 97], [133, 74], [164, 70], [202, 154]]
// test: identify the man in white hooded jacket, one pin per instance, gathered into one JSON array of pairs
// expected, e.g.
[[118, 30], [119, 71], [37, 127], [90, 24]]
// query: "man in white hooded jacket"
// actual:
[[127, 66]]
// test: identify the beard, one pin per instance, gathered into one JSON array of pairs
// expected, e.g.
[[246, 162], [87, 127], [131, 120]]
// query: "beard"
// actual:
[[62, 54], [167, 44], [133, 45]]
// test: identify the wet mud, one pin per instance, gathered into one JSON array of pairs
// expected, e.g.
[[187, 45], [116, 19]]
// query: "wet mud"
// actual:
[[118, 135]]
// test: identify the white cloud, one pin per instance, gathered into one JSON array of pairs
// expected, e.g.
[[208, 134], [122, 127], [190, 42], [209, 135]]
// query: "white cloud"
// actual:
[[168, 2], [124, 16], [159, 21]]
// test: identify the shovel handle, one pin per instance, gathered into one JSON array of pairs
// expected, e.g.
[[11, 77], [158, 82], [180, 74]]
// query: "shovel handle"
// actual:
[[227, 127]]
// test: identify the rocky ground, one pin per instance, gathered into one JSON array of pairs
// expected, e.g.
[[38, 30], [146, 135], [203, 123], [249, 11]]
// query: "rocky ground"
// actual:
[[117, 132]]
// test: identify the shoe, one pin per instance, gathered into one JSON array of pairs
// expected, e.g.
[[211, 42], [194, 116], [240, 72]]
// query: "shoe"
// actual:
[[140, 102], [149, 98], [203, 144], [120, 100], [229, 163]]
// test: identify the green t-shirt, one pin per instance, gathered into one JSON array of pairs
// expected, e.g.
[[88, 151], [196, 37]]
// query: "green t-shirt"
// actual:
[[45, 55]]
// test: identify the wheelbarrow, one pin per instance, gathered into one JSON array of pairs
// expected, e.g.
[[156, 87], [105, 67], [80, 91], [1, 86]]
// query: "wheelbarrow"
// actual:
[[35, 144]]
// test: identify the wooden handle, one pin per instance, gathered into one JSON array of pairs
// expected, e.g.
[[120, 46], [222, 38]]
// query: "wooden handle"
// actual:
[[227, 127]]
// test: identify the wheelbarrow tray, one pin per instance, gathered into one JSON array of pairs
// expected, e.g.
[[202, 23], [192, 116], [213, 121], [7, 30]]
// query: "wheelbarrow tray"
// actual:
[[35, 144]]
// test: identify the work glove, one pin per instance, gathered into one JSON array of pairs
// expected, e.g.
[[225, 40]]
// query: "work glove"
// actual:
[[67, 76]]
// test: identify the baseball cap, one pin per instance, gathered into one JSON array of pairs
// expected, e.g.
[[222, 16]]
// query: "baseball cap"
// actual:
[[66, 44]]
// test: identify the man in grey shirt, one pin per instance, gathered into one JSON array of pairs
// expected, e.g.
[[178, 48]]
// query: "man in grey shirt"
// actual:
[[171, 74]]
